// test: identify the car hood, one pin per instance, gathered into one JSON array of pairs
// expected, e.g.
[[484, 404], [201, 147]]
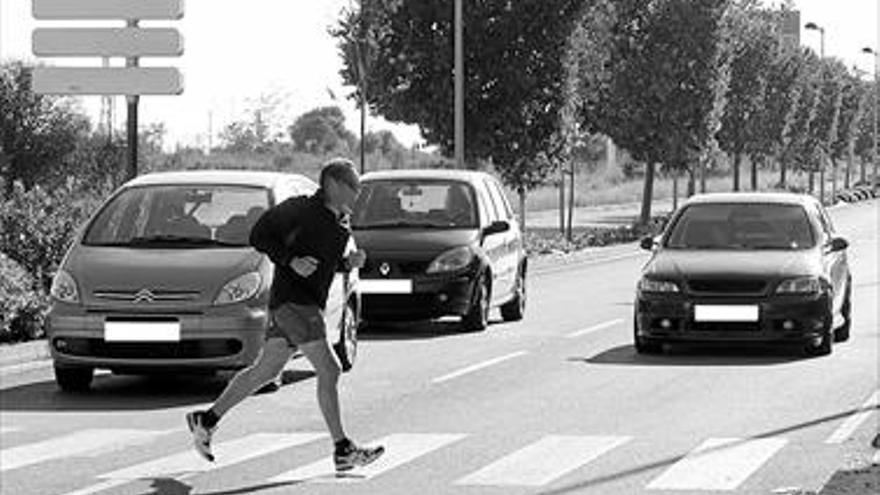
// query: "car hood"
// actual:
[[764, 264], [413, 243], [193, 275]]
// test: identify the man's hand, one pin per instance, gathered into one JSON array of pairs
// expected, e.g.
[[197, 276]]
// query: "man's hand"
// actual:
[[357, 259], [304, 266]]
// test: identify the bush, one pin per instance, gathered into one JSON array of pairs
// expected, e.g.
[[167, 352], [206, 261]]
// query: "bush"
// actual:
[[549, 240], [22, 307]]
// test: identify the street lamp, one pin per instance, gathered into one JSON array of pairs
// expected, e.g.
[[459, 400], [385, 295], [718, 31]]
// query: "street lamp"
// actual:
[[815, 27], [459, 86], [873, 52]]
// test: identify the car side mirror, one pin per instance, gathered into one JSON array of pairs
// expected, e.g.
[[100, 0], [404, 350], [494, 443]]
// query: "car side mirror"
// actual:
[[496, 227], [837, 244], [647, 243]]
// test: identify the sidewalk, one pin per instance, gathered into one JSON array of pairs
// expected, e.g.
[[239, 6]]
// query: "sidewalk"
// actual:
[[23, 352], [597, 216]]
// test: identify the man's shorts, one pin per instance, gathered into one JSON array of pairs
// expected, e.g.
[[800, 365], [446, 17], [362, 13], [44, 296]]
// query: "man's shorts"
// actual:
[[297, 323]]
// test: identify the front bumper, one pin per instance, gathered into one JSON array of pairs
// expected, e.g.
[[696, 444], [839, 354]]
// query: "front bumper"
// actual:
[[781, 319], [212, 338], [432, 296]]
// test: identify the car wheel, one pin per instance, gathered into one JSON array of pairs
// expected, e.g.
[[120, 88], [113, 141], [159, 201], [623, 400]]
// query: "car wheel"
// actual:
[[346, 346], [514, 309], [644, 346], [477, 317], [841, 333], [73, 379]]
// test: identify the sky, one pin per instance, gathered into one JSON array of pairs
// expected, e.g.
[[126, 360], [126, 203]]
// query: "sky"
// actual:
[[236, 51]]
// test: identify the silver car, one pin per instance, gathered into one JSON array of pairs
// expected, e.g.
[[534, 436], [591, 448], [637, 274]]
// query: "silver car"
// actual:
[[162, 278]]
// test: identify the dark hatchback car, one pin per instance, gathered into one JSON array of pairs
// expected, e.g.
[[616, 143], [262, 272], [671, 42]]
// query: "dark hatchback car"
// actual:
[[745, 267], [439, 243]]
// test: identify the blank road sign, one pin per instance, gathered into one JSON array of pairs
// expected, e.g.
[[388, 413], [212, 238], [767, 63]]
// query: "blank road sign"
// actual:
[[107, 9], [107, 81], [107, 42]]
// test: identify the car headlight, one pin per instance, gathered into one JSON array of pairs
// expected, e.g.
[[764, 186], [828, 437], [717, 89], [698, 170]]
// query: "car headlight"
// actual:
[[454, 259], [649, 285], [240, 289], [64, 287], [801, 285]]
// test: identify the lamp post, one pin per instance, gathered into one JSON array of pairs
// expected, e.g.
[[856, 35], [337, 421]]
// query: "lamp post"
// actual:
[[815, 27], [876, 55], [459, 87]]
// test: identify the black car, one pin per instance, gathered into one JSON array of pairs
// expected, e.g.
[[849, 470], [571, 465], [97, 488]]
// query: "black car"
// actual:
[[745, 267], [439, 243]]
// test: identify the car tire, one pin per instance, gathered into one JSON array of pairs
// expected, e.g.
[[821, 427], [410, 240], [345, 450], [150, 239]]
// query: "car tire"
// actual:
[[841, 333], [477, 318], [346, 347], [515, 309], [73, 379]]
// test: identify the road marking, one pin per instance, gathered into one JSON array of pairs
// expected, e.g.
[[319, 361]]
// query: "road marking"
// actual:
[[399, 449], [188, 463], [852, 423], [595, 328], [543, 461], [8, 429], [96, 441], [476, 367], [718, 464]]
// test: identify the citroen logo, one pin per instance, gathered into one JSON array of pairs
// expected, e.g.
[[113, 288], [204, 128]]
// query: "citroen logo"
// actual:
[[384, 269], [144, 295]]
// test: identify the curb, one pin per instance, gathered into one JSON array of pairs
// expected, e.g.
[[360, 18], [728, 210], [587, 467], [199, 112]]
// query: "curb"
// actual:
[[24, 352]]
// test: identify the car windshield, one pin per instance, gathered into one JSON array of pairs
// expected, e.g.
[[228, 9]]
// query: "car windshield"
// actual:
[[415, 204], [181, 216], [742, 226]]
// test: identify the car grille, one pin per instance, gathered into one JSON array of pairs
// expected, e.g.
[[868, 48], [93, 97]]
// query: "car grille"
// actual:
[[146, 296], [396, 268], [186, 349], [750, 287]]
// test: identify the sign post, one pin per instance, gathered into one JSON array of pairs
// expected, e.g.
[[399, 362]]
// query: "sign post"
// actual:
[[130, 42]]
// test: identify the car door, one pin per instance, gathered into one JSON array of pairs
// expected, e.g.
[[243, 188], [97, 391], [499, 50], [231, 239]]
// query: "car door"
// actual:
[[503, 262], [834, 262]]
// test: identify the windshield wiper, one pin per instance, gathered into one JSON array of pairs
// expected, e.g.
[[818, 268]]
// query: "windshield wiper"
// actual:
[[176, 239]]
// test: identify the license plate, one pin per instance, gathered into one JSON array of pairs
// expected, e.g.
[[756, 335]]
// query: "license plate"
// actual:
[[726, 312], [141, 331], [392, 286]]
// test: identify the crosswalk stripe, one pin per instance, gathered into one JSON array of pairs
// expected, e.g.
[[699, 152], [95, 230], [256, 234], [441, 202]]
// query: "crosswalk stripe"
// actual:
[[852, 423], [477, 367], [544, 461], [95, 441], [399, 449], [718, 464], [188, 463]]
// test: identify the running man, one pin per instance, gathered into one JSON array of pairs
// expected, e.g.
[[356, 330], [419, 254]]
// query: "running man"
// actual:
[[305, 237]]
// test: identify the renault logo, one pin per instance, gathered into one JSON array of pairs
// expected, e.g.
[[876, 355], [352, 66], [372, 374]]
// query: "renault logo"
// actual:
[[384, 269], [145, 296]]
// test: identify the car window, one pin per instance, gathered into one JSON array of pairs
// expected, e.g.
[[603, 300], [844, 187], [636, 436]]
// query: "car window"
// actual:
[[741, 226], [415, 203], [504, 200], [827, 227], [183, 216], [495, 200]]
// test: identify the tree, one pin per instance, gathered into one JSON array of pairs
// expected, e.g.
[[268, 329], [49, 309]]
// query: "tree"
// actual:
[[36, 131], [669, 73], [823, 128], [797, 149], [514, 76], [754, 43], [321, 130], [851, 110]]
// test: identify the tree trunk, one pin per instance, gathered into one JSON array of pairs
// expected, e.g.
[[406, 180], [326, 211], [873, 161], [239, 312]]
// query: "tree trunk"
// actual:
[[692, 182], [737, 161], [647, 194], [782, 169], [833, 179], [849, 164], [754, 176], [675, 190], [703, 162], [521, 192], [568, 234], [562, 201]]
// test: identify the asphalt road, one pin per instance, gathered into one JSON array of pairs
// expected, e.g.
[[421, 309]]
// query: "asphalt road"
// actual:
[[559, 403]]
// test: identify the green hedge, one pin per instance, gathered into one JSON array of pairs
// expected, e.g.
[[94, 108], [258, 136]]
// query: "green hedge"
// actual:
[[22, 307]]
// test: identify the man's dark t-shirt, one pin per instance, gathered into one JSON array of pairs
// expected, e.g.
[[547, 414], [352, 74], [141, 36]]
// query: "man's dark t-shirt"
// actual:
[[301, 226]]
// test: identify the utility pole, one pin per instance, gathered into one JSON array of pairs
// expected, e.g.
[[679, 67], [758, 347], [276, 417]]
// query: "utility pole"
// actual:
[[459, 88], [132, 124]]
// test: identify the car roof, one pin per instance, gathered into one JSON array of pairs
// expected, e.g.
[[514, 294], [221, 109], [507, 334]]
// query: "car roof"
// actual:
[[782, 198], [427, 173], [257, 178]]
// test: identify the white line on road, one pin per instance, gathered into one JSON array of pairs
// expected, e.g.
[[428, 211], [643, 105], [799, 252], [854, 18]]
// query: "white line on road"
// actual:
[[479, 366], [8, 429], [399, 449], [75, 444], [852, 423], [187, 463], [718, 464], [594, 328], [543, 461]]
